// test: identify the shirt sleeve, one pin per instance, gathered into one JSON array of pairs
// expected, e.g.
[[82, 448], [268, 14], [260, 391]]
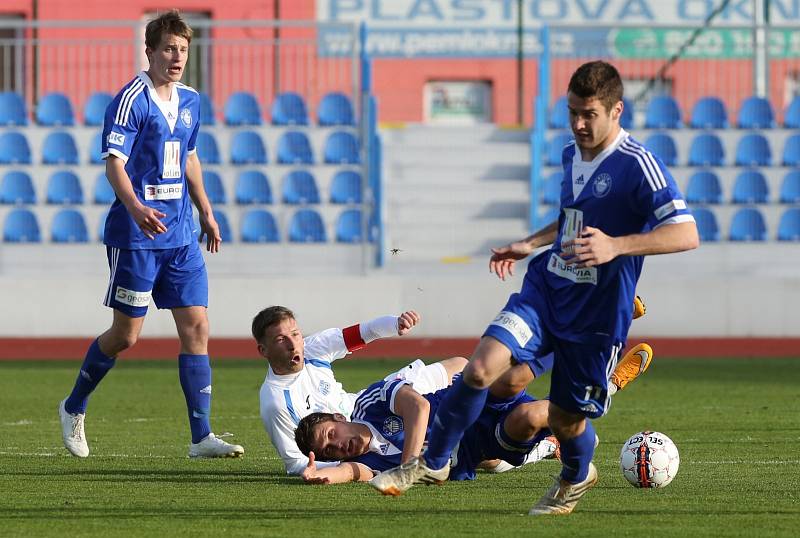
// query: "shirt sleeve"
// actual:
[[327, 345], [122, 123], [658, 194]]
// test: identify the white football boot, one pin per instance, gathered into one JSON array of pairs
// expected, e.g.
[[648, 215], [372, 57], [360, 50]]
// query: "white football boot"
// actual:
[[72, 431], [212, 446], [398, 480]]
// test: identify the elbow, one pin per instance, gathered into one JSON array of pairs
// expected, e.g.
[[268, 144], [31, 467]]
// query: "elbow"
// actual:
[[693, 239]]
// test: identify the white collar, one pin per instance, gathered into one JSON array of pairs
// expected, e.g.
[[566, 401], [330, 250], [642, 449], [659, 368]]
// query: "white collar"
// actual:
[[169, 109]]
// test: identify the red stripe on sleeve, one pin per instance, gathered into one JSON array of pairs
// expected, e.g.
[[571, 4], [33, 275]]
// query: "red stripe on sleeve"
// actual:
[[352, 338]]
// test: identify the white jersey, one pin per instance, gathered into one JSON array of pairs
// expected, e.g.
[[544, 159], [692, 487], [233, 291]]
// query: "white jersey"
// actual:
[[286, 399]]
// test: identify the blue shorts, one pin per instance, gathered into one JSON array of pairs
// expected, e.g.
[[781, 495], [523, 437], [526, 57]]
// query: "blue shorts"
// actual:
[[579, 383], [174, 277]]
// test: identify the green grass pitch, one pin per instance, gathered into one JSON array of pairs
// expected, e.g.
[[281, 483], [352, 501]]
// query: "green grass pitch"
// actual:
[[735, 422]]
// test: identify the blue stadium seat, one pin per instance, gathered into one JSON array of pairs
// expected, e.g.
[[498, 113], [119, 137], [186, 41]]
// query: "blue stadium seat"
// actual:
[[755, 113], [55, 109], [258, 226], [662, 112], [68, 226], [64, 187], [103, 191], [789, 225], [748, 225], [294, 148], [306, 226], [559, 114], [342, 147], [753, 150], [791, 120], [551, 215], [224, 226], [289, 108], [790, 188], [706, 150], [207, 150], [663, 146], [551, 189], [299, 187], [96, 149], [709, 113], [346, 187], [241, 108], [59, 148], [14, 148], [21, 226], [247, 147], [12, 109], [707, 226], [101, 226], [17, 188], [555, 148], [349, 226], [704, 188], [94, 111], [335, 109], [214, 187], [207, 116], [626, 120], [750, 187], [252, 187], [791, 151]]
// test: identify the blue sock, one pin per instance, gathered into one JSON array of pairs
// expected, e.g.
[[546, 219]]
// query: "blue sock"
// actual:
[[457, 411], [576, 454], [94, 368], [195, 376]]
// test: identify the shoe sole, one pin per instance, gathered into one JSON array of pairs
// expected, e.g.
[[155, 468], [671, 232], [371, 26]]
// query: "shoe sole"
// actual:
[[231, 455]]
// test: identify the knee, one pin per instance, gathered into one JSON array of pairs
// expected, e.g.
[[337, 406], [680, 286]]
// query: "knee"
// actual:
[[195, 332], [563, 424], [477, 375], [117, 341]]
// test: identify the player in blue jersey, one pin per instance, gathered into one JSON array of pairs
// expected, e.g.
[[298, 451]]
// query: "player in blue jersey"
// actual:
[[618, 204], [389, 425], [148, 143]]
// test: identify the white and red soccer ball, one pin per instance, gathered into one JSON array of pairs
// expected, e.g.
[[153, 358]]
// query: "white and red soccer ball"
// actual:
[[649, 460]]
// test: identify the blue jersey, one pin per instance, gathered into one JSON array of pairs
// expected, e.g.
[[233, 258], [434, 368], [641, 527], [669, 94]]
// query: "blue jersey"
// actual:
[[153, 138], [625, 190], [375, 409]]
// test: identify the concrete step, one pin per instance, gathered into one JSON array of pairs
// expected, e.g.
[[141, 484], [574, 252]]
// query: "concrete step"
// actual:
[[453, 173], [475, 155], [445, 212], [448, 137], [465, 193]]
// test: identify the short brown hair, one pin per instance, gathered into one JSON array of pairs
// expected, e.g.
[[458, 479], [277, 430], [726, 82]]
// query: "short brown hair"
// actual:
[[272, 315], [304, 433], [597, 79], [170, 23]]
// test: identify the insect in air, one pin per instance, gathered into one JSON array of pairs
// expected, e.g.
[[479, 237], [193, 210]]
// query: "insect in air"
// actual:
[[395, 251]]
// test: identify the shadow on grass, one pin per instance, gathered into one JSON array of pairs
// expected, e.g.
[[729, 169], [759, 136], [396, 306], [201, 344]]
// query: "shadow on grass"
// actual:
[[141, 475]]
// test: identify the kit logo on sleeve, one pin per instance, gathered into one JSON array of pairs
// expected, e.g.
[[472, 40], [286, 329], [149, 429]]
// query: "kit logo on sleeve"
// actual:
[[116, 138]]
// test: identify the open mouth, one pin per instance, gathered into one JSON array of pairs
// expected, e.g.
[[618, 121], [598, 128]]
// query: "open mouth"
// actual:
[[175, 70]]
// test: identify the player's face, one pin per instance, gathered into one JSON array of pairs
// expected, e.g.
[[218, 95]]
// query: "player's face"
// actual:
[[168, 59], [594, 127], [339, 440], [282, 345]]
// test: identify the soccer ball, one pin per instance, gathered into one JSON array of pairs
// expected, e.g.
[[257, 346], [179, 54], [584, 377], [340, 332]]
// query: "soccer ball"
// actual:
[[649, 460]]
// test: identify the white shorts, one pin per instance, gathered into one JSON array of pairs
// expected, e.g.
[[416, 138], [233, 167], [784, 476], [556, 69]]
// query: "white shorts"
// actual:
[[424, 378]]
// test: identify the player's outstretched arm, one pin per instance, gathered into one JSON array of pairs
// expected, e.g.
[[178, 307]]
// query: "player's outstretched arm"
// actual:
[[346, 471], [503, 258], [414, 409], [593, 247], [148, 219], [208, 224]]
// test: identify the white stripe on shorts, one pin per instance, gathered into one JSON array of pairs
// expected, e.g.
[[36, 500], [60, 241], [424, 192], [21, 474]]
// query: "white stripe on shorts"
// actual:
[[114, 260]]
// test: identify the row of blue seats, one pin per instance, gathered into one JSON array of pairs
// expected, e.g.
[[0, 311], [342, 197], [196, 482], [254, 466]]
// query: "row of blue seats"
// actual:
[[706, 149], [705, 187], [257, 226], [663, 112], [251, 187], [747, 224], [241, 108], [247, 147]]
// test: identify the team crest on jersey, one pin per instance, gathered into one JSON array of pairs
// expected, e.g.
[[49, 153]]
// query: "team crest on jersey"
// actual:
[[324, 387], [186, 117], [392, 425], [601, 185]]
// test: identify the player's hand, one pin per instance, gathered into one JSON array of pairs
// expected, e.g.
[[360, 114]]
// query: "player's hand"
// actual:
[[149, 220], [591, 248], [210, 229], [309, 474], [406, 321], [503, 258]]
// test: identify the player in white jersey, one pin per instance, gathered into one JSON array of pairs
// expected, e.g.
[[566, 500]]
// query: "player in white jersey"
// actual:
[[618, 204], [300, 380]]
